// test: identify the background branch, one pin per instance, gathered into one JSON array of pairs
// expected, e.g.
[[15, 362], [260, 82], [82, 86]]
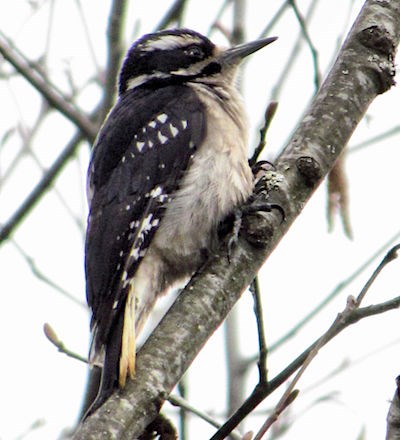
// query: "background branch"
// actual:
[[115, 50], [47, 90]]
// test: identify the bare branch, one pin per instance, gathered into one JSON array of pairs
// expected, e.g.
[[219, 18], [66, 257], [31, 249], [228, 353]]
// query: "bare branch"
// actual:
[[261, 392], [115, 49], [333, 294], [178, 401], [314, 52], [292, 57], [262, 345], [51, 335], [174, 14], [46, 181], [375, 139], [341, 319], [42, 277], [48, 91], [268, 116]]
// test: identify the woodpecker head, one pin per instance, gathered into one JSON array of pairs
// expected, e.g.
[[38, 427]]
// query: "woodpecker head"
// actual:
[[181, 55]]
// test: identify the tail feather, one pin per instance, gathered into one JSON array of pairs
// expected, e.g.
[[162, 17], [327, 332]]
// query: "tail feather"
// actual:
[[120, 354], [110, 371], [128, 350]]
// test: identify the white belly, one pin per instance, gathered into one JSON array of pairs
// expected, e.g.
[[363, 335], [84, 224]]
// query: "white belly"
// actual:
[[218, 180]]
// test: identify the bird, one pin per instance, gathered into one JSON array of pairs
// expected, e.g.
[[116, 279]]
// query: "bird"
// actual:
[[168, 165]]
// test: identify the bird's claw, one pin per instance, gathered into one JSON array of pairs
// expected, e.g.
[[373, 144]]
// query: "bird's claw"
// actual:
[[239, 213]]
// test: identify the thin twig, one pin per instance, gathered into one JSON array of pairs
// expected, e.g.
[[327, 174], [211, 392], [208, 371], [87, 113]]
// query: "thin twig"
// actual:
[[262, 345], [260, 393], [42, 277], [314, 52], [389, 257], [51, 335], [39, 190], [268, 116], [173, 15], [182, 388], [182, 403], [86, 31], [274, 20], [115, 49], [352, 313], [332, 295], [292, 57], [352, 305], [375, 139]]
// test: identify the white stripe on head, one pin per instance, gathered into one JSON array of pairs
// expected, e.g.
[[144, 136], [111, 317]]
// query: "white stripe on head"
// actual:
[[165, 42]]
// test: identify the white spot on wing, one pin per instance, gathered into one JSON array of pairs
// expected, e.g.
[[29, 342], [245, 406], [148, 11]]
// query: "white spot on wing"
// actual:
[[174, 130], [162, 117], [184, 123], [140, 145], [163, 139], [152, 124], [133, 224], [150, 144], [134, 253], [157, 191], [146, 223]]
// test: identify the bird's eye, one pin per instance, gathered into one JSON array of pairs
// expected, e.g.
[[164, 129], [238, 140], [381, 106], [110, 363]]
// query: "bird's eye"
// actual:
[[195, 52]]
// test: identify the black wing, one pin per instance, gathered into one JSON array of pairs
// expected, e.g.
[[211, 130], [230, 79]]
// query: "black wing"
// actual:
[[138, 159]]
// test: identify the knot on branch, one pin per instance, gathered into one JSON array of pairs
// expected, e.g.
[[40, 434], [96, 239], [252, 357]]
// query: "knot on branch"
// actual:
[[379, 40], [309, 169]]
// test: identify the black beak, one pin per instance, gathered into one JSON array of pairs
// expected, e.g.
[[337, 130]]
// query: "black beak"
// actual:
[[236, 54]]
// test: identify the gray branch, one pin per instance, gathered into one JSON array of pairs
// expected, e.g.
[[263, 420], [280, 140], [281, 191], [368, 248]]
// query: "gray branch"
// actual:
[[363, 70], [393, 417]]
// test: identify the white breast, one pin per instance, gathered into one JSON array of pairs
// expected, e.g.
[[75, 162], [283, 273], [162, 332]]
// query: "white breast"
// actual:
[[218, 180]]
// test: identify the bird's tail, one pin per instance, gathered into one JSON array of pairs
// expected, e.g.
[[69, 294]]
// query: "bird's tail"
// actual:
[[110, 372]]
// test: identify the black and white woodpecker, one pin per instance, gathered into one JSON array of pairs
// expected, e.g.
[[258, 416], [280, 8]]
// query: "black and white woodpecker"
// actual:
[[169, 164]]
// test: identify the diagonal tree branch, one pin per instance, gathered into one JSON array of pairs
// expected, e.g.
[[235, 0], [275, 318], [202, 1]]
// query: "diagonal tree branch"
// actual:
[[363, 70], [49, 92], [40, 189]]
